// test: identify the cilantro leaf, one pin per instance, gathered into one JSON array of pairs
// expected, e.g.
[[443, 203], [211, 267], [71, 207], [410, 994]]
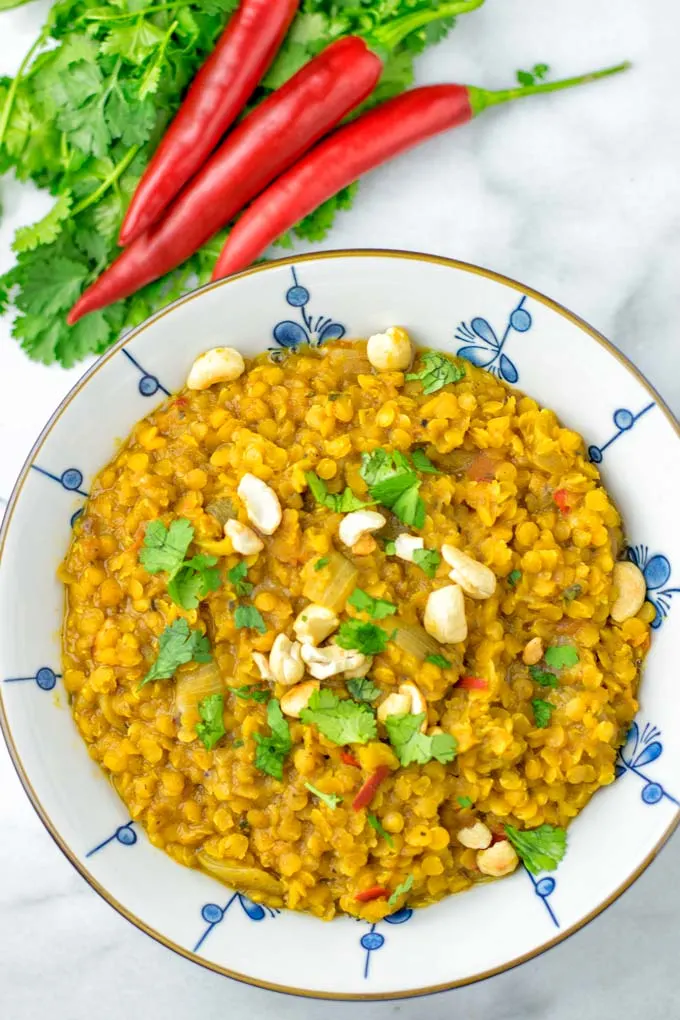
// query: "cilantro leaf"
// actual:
[[364, 637], [427, 559], [390, 548], [539, 849], [47, 229], [341, 720], [211, 728], [464, 802], [561, 656], [249, 616], [543, 676], [363, 689], [321, 563], [400, 891], [237, 578], [514, 577], [176, 646], [542, 712], [252, 692], [376, 824], [378, 609], [437, 371], [572, 592], [193, 581], [423, 463], [393, 482], [271, 750], [331, 800], [339, 503], [439, 660], [413, 746], [165, 548]]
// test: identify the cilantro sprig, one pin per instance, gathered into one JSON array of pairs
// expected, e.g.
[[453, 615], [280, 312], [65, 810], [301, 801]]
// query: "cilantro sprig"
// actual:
[[539, 849], [367, 638], [211, 729], [402, 889], [331, 800], [177, 645], [561, 656], [363, 689], [376, 824], [272, 749], [164, 550], [413, 746], [342, 721], [377, 609], [237, 578], [437, 371], [247, 616], [393, 482], [439, 660], [428, 560], [340, 503], [542, 710], [252, 692]]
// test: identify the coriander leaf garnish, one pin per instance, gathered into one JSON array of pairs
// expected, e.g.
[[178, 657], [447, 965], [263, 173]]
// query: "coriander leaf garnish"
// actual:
[[390, 548], [572, 592], [401, 890], [340, 503], [194, 580], [341, 720], [540, 849], [422, 462], [413, 746], [375, 823], [177, 645], [514, 577], [439, 660], [237, 579], [271, 750], [331, 800], [464, 802], [543, 676], [252, 692], [428, 560], [211, 728], [378, 609], [392, 481], [363, 689], [320, 564], [409, 507], [165, 548], [561, 656], [249, 616], [542, 712], [437, 371], [364, 637]]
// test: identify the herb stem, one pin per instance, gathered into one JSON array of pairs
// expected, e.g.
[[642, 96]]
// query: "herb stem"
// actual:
[[127, 16], [14, 87], [119, 169]]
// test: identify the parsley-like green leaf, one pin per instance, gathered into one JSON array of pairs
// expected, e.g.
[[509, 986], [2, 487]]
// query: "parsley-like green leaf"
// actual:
[[423, 463], [437, 371], [464, 802], [543, 676], [401, 890], [428, 560], [340, 503], [341, 720], [378, 609], [211, 728], [271, 750], [252, 692], [439, 660], [331, 800], [413, 746], [364, 637], [176, 646], [194, 580], [47, 229], [390, 548], [542, 712], [540, 849], [249, 616], [363, 689], [572, 592], [376, 824], [237, 578], [320, 564], [409, 507], [561, 656], [514, 577], [393, 482], [165, 548]]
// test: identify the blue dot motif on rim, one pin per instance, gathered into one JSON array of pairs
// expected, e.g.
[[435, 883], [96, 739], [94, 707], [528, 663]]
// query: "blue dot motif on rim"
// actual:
[[484, 348], [289, 334], [148, 384], [544, 888], [45, 678], [642, 747], [124, 834], [373, 940], [213, 914], [623, 420], [71, 479]]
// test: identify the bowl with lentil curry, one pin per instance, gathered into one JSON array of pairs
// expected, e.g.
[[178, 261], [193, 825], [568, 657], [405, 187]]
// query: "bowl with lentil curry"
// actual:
[[352, 569]]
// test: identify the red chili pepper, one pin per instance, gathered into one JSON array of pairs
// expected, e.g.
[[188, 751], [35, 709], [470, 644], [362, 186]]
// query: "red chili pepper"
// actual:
[[358, 147], [370, 788], [376, 892], [348, 758], [561, 497], [217, 95], [473, 683]]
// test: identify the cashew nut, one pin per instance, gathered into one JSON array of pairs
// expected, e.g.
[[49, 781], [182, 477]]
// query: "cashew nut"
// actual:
[[332, 660], [476, 836], [221, 364], [500, 859], [444, 616], [533, 652], [243, 538], [476, 580], [631, 588], [262, 663], [314, 624], [297, 698], [359, 523], [406, 545], [409, 699], [390, 351], [261, 503], [285, 661]]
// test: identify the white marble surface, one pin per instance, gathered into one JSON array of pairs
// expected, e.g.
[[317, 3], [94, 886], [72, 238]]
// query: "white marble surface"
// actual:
[[577, 196]]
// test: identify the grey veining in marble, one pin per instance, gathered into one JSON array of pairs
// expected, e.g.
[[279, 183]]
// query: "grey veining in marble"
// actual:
[[577, 196]]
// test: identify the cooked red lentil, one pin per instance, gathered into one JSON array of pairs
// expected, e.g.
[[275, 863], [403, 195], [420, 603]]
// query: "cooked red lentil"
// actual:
[[467, 643]]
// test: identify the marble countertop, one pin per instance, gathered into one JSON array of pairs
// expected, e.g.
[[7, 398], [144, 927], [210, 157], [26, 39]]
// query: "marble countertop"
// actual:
[[577, 196]]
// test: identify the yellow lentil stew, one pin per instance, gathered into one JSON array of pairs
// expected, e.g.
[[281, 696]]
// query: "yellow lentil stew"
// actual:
[[348, 630]]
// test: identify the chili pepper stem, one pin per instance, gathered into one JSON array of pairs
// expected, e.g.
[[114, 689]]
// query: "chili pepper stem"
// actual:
[[480, 99], [389, 36]]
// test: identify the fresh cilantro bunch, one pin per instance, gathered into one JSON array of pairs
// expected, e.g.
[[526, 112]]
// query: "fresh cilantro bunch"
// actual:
[[84, 114]]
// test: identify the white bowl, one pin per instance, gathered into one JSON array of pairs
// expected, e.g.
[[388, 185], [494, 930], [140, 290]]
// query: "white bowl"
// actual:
[[497, 323]]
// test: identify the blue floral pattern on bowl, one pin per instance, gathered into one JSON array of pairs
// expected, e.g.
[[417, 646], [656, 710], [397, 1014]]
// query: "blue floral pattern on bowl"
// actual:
[[373, 940], [45, 678], [213, 914], [482, 347], [312, 330], [657, 573], [624, 420], [643, 748]]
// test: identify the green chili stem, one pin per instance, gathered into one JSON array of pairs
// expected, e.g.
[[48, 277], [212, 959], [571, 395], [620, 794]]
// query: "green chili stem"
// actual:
[[480, 99]]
